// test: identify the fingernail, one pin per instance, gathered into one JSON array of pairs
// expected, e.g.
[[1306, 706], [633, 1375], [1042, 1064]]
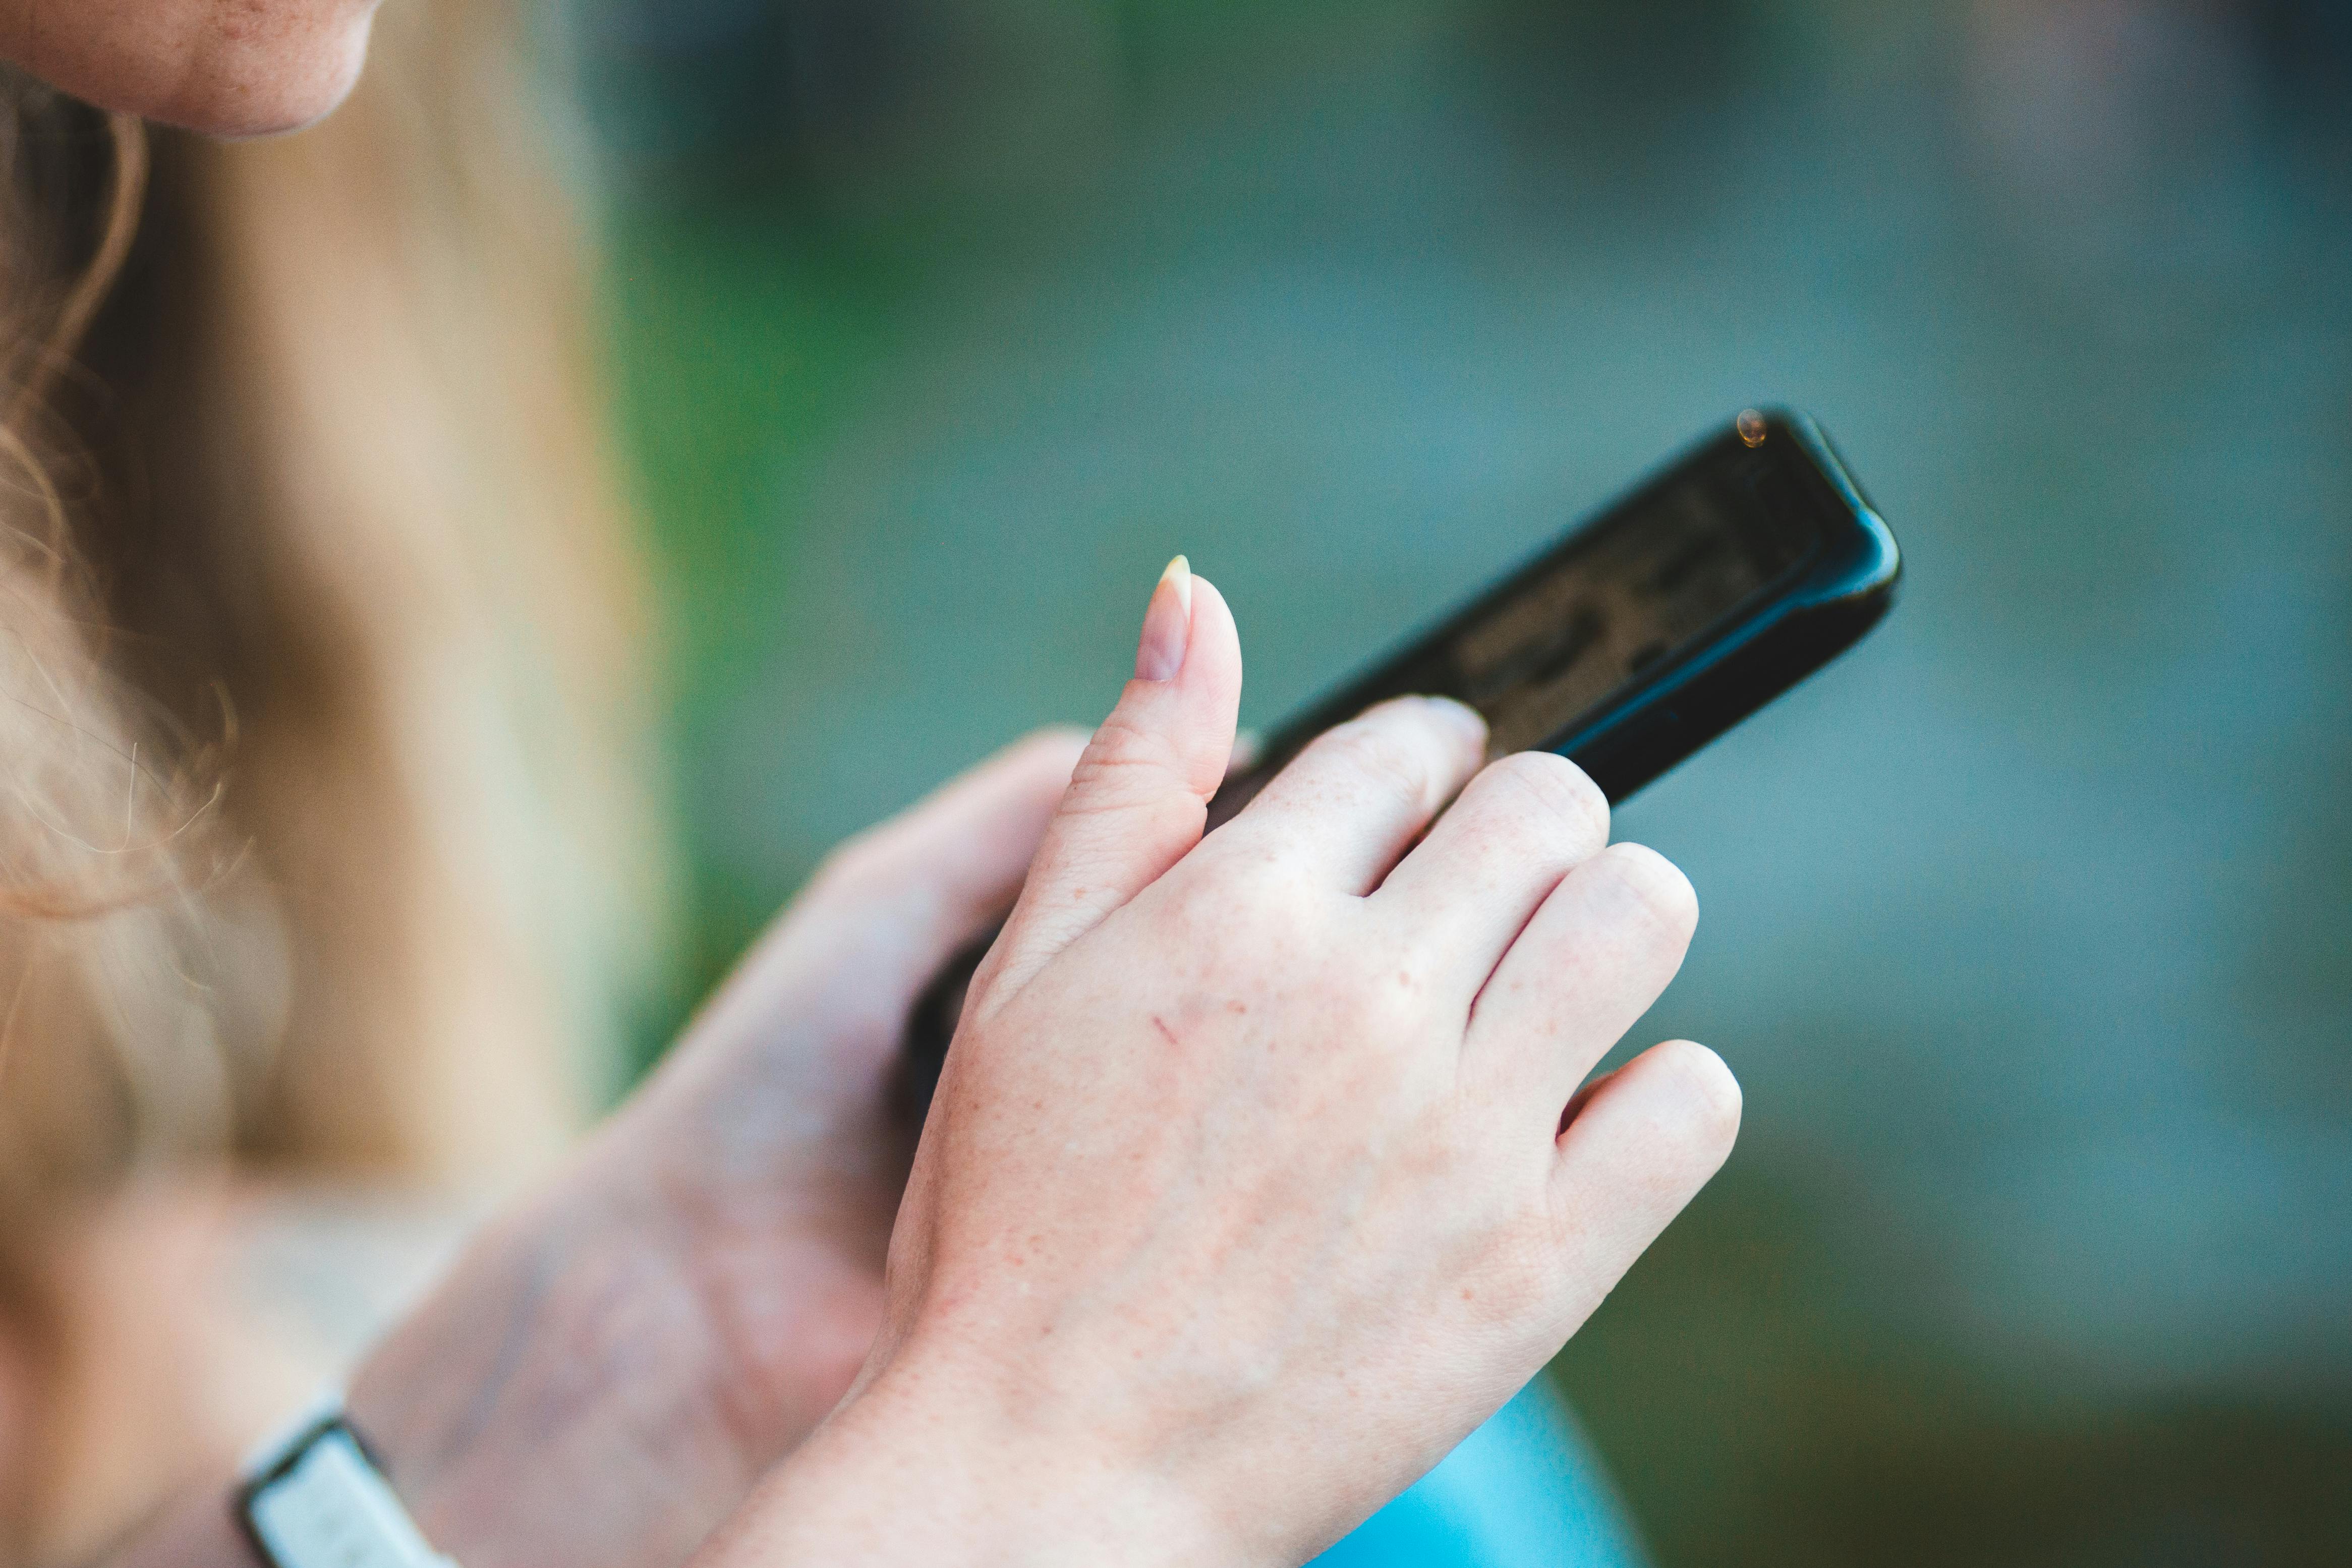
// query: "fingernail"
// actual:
[[1462, 716], [1167, 624]]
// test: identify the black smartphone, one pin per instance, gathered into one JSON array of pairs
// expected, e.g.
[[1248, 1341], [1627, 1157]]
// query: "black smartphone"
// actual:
[[1648, 630]]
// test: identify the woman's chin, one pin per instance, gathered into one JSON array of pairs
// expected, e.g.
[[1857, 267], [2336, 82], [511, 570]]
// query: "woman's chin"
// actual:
[[272, 65], [256, 93]]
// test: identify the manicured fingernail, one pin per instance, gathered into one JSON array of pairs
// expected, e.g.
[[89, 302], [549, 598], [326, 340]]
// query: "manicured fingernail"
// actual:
[[1462, 716], [1167, 624]]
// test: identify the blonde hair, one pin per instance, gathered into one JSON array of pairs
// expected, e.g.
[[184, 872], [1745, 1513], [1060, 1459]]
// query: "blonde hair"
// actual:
[[408, 566], [105, 1048], [327, 836]]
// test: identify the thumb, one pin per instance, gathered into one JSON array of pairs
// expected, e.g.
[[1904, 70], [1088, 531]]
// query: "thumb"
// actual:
[[1138, 800]]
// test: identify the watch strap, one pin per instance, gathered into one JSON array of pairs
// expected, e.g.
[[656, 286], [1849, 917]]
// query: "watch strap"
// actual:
[[314, 1497]]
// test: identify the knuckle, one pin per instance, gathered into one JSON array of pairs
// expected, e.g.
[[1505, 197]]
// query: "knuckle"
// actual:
[[1115, 742], [1659, 889], [1560, 791], [1238, 921], [1382, 751], [1209, 916], [1122, 764]]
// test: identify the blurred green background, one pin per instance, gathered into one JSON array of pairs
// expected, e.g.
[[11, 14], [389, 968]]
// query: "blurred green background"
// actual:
[[940, 324]]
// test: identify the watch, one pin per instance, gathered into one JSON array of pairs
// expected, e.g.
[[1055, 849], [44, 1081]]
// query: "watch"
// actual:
[[313, 1497]]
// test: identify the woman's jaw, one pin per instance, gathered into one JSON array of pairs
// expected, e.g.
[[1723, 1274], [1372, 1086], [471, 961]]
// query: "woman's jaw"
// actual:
[[226, 68]]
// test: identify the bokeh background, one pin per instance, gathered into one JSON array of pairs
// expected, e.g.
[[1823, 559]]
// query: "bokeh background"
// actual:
[[940, 324]]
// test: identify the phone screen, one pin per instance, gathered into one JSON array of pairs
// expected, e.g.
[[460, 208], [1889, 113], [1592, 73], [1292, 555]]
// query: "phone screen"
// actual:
[[1569, 632], [1619, 599]]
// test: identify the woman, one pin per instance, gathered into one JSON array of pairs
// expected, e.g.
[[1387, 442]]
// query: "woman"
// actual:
[[1254, 1184]]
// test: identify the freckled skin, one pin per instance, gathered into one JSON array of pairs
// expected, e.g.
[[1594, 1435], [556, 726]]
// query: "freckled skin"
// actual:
[[226, 67]]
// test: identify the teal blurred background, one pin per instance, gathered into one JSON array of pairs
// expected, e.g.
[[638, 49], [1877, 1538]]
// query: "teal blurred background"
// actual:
[[940, 324]]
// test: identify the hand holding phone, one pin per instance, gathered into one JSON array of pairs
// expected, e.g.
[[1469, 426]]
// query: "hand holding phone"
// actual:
[[1641, 634], [1260, 1173]]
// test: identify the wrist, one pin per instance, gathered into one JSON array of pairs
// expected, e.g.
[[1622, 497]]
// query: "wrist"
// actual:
[[913, 1471], [556, 1400]]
